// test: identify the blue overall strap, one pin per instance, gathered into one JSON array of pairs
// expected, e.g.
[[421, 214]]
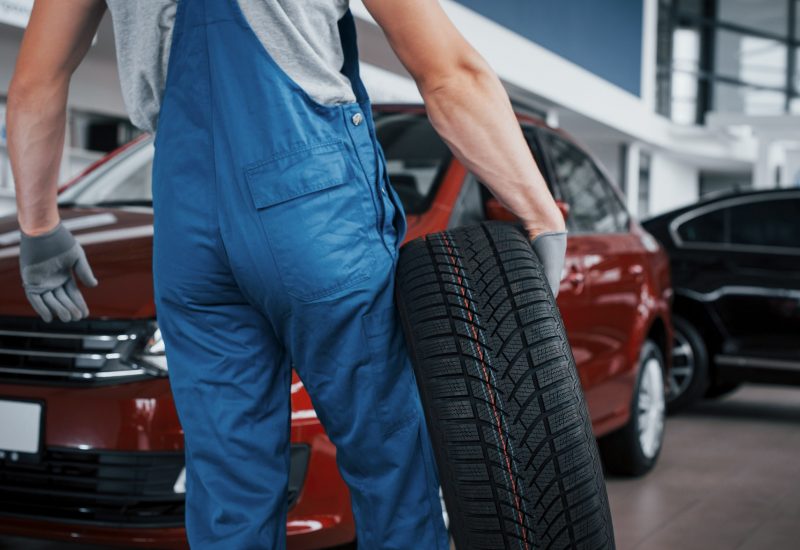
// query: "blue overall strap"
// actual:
[[350, 68]]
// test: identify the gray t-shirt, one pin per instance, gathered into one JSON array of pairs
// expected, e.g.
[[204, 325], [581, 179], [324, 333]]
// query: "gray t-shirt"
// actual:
[[302, 37]]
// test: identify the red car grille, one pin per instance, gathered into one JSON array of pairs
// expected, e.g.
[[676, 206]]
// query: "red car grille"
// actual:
[[98, 487], [134, 489], [81, 353]]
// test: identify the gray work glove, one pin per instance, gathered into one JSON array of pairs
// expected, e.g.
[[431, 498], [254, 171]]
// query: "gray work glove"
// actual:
[[551, 248], [46, 262]]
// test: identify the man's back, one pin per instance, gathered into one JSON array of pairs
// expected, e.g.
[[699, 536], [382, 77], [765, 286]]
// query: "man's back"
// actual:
[[302, 37]]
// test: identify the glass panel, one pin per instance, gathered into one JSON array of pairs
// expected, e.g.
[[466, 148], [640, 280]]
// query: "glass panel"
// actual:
[[685, 66], [764, 16], [797, 66], [740, 99], [709, 228], [797, 21], [766, 223], [415, 157], [794, 106], [125, 180], [591, 208], [751, 59], [691, 7]]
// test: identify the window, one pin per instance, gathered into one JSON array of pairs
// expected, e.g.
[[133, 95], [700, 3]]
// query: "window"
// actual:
[[773, 223], [727, 55], [685, 68], [733, 98], [769, 17], [125, 180], [766, 223], [751, 59], [468, 209], [708, 228], [593, 206], [416, 157]]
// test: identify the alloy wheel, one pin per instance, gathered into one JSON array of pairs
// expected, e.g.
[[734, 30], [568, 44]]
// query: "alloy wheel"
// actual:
[[683, 366], [651, 408]]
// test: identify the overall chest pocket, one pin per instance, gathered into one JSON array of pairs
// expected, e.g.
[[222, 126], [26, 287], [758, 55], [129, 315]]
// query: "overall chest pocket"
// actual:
[[312, 206]]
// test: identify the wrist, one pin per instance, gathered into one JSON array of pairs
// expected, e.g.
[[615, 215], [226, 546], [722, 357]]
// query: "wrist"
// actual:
[[38, 248], [536, 229], [41, 228], [551, 220]]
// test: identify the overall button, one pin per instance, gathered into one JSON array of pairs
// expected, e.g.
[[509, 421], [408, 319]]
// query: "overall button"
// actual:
[[357, 119]]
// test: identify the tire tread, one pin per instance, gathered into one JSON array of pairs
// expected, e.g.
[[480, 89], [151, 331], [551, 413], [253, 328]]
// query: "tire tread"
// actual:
[[511, 432]]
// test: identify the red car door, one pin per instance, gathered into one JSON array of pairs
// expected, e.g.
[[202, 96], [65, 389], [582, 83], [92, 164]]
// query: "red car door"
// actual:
[[610, 272]]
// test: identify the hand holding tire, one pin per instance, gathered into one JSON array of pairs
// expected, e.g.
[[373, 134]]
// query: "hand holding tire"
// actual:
[[46, 263], [551, 248]]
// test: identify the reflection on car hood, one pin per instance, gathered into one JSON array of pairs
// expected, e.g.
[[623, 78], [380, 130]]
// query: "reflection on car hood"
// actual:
[[118, 243]]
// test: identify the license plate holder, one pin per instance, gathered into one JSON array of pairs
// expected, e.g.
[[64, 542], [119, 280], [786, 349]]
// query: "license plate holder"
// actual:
[[21, 430]]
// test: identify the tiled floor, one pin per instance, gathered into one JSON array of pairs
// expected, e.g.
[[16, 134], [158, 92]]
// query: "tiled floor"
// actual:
[[728, 479]]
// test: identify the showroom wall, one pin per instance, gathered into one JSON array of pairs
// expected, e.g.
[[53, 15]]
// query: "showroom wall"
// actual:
[[673, 183], [594, 35]]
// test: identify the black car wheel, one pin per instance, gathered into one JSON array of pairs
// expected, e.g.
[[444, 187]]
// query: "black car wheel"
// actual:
[[633, 450], [688, 377], [517, 459]]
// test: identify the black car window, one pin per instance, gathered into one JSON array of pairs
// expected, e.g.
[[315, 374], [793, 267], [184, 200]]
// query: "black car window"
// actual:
[[593, 207], [766, 223], [416, 157], [708, 228]]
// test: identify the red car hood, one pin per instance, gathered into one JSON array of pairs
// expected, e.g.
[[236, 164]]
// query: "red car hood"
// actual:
[[119, 245]]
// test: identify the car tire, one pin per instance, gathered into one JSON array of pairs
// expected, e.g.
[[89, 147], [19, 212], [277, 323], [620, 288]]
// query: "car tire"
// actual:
[[633, 450], [688, 377], [513, 442]]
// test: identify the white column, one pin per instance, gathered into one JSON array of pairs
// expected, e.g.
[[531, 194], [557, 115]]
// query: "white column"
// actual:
[[791, 173], [649, 45], [763, 177]]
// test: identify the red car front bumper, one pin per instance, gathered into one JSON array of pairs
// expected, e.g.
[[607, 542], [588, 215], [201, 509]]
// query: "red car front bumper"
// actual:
[[111, 458]]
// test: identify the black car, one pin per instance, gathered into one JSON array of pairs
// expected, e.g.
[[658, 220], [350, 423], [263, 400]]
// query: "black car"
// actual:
[[736, 274]]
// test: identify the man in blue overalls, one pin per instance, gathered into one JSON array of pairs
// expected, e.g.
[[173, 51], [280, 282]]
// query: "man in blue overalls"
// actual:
[[276, 235]]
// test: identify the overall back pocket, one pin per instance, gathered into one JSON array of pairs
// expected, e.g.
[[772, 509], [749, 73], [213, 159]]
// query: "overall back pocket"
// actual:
[[313, 208]]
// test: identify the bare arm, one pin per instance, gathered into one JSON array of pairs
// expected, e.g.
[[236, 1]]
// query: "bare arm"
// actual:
[[468, 107], [57, 38]]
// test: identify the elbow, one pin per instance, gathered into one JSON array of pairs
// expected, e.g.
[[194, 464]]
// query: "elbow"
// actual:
[[29, 91], [466, 79]]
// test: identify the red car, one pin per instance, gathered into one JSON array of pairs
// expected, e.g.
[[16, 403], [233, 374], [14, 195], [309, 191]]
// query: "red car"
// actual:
[[97, 455]]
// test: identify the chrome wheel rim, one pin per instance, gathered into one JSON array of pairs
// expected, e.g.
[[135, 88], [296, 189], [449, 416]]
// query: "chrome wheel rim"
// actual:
[[651, 408], [683, 366]]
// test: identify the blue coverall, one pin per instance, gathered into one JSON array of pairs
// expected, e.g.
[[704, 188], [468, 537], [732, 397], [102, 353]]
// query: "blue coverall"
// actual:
[[275, 246]]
